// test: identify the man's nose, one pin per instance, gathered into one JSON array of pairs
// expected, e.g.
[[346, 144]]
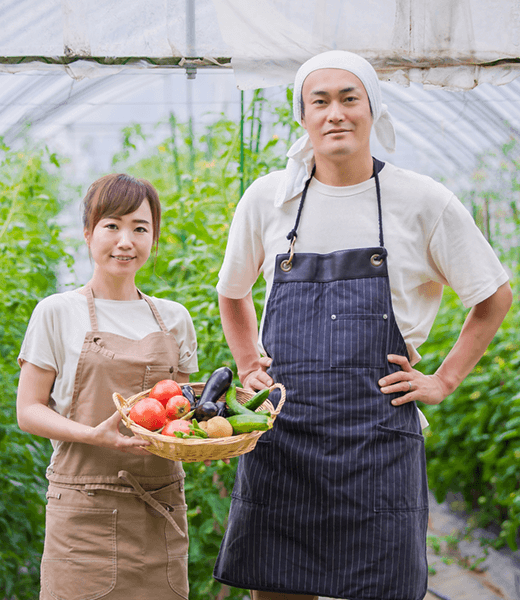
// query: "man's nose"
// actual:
[[335, 112]]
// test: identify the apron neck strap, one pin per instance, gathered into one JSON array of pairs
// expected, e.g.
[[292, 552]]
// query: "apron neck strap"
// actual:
[[154, 310], [91, 308], [379, 209], [292, 235]]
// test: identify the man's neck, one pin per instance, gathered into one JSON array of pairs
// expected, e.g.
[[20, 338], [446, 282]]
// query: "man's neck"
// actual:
[[343, 171]]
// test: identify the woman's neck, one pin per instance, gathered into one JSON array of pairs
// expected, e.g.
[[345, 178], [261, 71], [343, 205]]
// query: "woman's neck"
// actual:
[[114, 289]]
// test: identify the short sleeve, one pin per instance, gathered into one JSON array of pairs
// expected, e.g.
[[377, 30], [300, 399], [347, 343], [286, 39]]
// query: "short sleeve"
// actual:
[[38, 346], [244, 254], [464, 257], [178, 322], [188, 347]]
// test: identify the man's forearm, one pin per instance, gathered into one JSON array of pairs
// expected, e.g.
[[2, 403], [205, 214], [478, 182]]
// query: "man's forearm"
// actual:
[[240, 327], [480, 327]]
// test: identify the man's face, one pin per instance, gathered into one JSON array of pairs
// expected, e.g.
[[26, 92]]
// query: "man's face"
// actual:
[[337, 114]]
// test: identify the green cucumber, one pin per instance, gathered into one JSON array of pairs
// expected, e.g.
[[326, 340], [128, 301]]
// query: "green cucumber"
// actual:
[[234, 406], [243, 423], [265, 412], [257, 400]]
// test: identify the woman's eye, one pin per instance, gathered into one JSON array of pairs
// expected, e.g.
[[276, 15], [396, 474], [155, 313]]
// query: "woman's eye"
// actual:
[[141, 229], [111, 226]]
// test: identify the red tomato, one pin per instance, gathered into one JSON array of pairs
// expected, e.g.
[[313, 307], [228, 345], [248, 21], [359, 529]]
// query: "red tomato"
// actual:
[[164, 390], [177, 425], [149, 413], [177, 406]]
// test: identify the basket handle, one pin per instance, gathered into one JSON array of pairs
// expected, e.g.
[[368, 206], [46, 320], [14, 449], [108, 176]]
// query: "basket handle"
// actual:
[[118, 401], [281, 402]]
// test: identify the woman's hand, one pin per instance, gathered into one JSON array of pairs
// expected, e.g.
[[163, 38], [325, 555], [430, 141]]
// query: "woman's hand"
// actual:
[[417, 386], [259, 379], [108, 435]]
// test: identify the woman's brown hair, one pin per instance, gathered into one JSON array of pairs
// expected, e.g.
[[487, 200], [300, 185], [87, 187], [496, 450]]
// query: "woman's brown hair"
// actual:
[[116, 195]]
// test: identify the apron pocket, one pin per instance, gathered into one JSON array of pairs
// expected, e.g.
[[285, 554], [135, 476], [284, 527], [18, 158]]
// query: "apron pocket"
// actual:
[[254, 474], [80, 556], [156, 373], [177, 548], [358, 341], [399, 461]]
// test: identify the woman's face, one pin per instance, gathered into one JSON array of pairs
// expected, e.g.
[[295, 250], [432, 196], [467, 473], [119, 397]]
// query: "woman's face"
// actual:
[[121, 245]]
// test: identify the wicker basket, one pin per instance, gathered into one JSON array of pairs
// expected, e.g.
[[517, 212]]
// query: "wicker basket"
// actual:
[[197, 449]]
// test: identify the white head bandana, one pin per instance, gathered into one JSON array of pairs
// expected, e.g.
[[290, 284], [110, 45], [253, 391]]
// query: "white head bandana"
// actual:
[[301, 154]]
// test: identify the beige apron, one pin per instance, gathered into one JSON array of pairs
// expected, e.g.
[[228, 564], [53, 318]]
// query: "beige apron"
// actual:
[[116, 524]]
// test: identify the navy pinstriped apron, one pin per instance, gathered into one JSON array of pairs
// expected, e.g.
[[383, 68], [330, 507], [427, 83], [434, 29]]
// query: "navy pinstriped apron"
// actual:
[[333, 500]]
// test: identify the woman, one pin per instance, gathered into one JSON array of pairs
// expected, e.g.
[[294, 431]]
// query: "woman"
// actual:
[[116, 516]]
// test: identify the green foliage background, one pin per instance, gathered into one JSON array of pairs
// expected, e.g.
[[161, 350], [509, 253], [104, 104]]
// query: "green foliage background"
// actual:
[[473, 443], [30, 253]]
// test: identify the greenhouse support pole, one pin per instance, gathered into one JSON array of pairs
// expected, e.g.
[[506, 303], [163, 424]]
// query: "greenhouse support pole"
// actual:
[[241, 143]]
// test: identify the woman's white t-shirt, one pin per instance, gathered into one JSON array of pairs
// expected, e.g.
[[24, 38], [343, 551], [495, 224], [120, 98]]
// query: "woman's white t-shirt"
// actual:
[[59, 323]]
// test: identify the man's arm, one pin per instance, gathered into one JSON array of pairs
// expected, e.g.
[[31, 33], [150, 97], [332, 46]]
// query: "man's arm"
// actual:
[[478, 330], [240, 327]]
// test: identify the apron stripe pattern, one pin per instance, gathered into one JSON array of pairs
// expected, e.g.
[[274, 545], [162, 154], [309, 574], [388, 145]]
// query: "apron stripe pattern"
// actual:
[[333, 500]]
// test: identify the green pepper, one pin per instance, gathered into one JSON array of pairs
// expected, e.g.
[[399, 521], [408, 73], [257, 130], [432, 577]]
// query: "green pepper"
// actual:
[[197, 429]]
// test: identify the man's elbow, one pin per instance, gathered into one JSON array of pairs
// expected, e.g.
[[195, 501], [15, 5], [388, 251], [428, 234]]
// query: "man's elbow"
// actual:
[[498, 305], [506, 296]]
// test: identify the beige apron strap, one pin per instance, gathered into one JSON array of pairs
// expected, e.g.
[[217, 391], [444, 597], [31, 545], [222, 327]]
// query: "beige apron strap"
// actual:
[[91, 308], [155, 312], [147, 497]]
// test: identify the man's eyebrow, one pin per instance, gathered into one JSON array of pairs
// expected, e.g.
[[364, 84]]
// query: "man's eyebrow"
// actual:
[[347, 90]]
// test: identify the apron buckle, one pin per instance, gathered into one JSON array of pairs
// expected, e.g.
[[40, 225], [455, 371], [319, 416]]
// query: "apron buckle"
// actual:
[[376, 260], [286, 265]]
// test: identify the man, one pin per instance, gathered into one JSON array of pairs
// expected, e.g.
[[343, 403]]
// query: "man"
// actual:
[[333, 500]]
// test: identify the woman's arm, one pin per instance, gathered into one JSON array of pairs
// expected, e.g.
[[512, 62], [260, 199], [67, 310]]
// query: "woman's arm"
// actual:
[[182, 378], [35, 416], [478, 330], [241, 330]]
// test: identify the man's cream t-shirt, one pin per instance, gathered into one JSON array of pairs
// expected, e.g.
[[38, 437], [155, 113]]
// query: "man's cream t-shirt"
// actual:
[[431, 238]]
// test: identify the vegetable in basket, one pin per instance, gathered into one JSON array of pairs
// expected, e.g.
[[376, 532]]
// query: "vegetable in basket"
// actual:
[[217, 384]]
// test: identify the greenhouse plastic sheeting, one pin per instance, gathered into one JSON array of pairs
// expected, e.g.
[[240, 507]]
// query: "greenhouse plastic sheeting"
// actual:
[[452, 43], [89, 38]]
